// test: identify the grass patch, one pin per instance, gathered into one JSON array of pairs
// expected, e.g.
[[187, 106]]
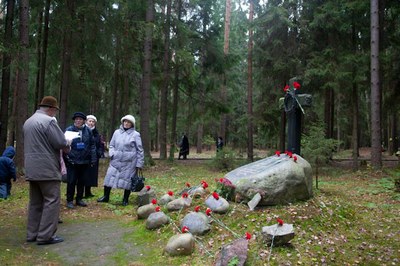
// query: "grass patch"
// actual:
[[352, 219]]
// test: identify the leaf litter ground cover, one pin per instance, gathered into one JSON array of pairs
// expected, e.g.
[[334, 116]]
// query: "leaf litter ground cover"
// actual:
[[352, 220]]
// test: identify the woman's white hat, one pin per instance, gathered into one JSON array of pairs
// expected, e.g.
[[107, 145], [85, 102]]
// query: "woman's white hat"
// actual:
[[130, 118], [91, 117]]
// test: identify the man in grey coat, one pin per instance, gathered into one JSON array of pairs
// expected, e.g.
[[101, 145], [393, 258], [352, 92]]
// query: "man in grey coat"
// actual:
[[43, 140]]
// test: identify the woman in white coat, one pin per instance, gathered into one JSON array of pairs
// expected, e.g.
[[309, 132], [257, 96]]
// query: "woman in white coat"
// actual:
[[126, 157]]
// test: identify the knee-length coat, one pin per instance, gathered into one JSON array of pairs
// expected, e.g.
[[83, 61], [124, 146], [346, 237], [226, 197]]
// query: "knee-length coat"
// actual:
[[126, 153]]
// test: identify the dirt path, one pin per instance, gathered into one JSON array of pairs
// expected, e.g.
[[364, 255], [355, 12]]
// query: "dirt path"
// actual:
[[92, 243]]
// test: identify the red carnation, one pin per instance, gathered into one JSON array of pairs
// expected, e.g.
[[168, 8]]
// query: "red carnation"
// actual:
[[286, 88], [185, 229], [208, 211], [185, 195], [170, 193], [221, 180], [296, 85], [148, 188], [197, 208], [280, 221], [248, 236], [187, 184], [204, 184], [158, 208], [278, 153], [290, 154], [215, 195], [154, 201], [295, 158]]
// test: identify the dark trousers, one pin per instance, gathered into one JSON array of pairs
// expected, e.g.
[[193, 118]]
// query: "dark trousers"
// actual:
[[76, 178], [43, 210]]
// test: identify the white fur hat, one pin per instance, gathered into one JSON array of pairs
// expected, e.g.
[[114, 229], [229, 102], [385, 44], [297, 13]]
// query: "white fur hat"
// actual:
[[130, 118], [91, 117]]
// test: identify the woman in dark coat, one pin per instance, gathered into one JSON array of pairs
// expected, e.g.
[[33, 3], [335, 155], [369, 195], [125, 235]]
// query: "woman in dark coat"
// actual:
[[93, 178], [184, 151]]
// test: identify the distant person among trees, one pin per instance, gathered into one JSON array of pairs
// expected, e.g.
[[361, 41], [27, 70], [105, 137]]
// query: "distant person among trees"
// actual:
[[92, 179], [126, 159], [79, 160], [43, 140], [184, 147], [220, 144], [7, 172]]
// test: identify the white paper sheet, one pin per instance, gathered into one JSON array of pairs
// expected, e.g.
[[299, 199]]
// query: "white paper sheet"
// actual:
[[70, 135]]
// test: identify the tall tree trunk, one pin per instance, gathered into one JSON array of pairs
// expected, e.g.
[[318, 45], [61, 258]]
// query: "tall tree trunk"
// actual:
[[66, 63], [146, 83], [5, 82], [22, 81], [354, 137], [39, 56], [329, 112], [228, 8], [175, 89], [376, 149], [44, 50], [250, 87], [115, 89], [164, 88]]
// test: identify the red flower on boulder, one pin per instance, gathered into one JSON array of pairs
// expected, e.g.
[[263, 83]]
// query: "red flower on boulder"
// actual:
[[208, 211], [185, 229], [154, 201], [197, 208], [215, 195], [148, 188], [170, 193], [280, 221], [185, 195]]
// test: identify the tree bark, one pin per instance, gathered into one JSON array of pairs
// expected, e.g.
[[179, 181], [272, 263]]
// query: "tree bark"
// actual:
[[376, 148], [22, 81], [66, 63], [164, 88], [250, 155], [6, 75], [146, 83]]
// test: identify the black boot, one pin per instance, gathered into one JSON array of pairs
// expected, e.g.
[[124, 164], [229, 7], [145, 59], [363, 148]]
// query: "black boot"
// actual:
[[106, 196], [126, 197], [88, 193]]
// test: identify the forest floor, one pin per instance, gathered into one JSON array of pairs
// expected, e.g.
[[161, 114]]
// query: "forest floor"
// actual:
[[352, 220]]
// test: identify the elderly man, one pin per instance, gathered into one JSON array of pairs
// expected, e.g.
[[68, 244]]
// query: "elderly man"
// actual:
[[43, 140]]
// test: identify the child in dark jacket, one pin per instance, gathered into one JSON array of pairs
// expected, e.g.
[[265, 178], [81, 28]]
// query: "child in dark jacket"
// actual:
[[7, 171]]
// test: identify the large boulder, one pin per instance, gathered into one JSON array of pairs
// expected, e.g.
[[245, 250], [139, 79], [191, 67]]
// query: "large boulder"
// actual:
[[279, 180]]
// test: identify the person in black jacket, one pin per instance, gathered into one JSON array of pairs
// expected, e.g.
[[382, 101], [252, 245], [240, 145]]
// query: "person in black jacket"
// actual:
[[93, 178], [184, 150], [79, 160]]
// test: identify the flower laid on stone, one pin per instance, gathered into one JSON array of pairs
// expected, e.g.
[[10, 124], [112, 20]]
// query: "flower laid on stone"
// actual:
[[215, 195], [185, 195], [197, 208], [158, 208], [148, 188], [248, 236], [280, 221], [170, 193], [295, 158], [185, 229], [204, 184], [208, 211], [278, 153], [154, 201], [187, 184]]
